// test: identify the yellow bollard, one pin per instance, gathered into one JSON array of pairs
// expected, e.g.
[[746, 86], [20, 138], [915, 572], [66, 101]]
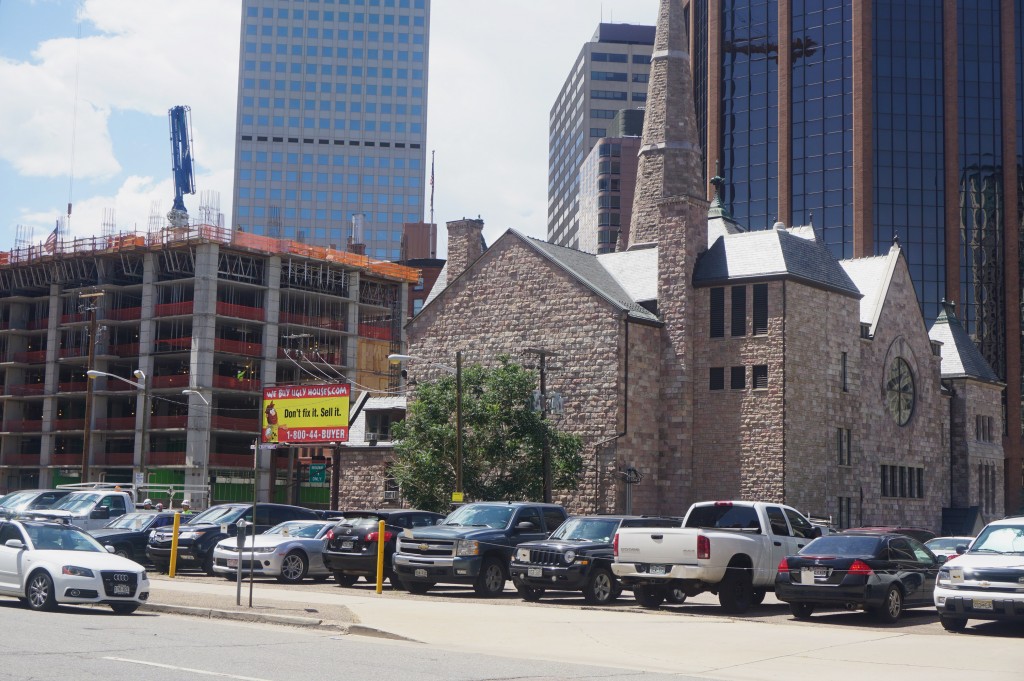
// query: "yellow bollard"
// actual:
[[380, 556], [174, 546]]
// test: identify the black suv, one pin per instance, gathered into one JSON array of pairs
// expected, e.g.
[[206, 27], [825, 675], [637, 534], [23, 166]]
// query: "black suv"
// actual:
[[197, 539], [577, 557], [473, 545], [350, 551]]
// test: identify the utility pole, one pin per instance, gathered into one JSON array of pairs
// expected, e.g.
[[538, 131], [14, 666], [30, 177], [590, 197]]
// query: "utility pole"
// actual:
[[458, 425], [545, 447], [93, 328]]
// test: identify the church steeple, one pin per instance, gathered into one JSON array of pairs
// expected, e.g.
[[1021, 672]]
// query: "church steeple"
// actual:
[[670, 159]]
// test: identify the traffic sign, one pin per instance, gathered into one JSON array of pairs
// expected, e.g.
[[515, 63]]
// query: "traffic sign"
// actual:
[[457, 497], [318, 472]]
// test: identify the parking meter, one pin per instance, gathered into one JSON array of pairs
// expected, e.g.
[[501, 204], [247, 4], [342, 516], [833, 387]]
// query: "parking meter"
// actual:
[[240, 544]]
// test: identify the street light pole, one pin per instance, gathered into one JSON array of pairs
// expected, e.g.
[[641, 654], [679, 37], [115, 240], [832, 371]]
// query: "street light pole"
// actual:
[[545, 446], [87, 433], [141, 386]]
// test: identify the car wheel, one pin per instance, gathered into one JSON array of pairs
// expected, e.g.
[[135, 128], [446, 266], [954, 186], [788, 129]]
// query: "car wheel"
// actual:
[[650, 597], [123, 551], [293, 568], [892, 606], [676, 596], [344, 580], [491, 580], [529, 593], [124, 608], [802, 611], [162, 568], [953, 623], [736, 593], [600, 587], [417, 587], [39, 592], [208, 564], [759, 595]]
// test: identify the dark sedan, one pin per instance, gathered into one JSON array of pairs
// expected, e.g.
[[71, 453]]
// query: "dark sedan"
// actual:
[[129, 533], [350, 551], [881, 573]]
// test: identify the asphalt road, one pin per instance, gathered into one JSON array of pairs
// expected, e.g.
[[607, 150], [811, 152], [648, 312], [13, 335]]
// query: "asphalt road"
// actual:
[[89, 644]]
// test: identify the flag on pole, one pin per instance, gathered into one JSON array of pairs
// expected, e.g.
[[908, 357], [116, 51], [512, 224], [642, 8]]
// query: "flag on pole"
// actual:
[[51, 241], [431, 187]]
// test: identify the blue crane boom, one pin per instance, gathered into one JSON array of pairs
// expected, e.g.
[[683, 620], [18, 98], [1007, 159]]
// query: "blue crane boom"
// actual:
[[181, 162]]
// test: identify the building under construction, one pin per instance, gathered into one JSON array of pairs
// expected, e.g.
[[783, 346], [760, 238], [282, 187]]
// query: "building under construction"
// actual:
[[181, 330]]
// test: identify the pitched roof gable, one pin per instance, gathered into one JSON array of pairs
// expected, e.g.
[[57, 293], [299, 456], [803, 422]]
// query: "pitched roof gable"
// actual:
[[960, 356], [872, 276]]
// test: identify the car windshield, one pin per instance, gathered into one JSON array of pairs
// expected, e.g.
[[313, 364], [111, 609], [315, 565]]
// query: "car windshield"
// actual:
[[587, 529], [475, 515], [724, 517], [1008, 539], [61, 538], [220, 514], [78, 502], [947, 543], [131, 521], [300, 529], [847, 546], [17, 501]]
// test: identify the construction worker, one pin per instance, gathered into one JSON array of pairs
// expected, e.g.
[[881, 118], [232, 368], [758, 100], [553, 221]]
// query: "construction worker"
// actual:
[[186, 507], [147, 505], [159, 506]]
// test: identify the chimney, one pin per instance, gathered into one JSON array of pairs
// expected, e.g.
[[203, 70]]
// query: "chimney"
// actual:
[[353, 247], [465, 245]]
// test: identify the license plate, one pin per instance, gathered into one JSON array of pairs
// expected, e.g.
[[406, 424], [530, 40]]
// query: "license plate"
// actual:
[[535, 572], [956, 575], [123, 590], [420, 573], [982, 604], [346, 544], [807, 576], [232, 562], [820, 572], [657, 570]]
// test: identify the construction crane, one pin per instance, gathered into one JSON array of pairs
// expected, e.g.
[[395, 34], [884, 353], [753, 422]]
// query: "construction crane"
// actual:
[[181, 163]]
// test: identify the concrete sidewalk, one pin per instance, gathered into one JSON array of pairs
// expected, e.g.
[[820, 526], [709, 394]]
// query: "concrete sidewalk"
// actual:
[[836, 647]]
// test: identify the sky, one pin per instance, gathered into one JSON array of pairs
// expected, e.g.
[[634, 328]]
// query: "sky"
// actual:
[[88, 83]]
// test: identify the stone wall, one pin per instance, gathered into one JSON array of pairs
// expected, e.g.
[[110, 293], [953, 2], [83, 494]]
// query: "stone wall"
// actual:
[[464, 245], [968, 451], [361, 481]]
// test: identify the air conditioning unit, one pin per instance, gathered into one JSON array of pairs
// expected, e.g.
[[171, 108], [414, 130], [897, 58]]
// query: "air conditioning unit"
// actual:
[[390, 495]]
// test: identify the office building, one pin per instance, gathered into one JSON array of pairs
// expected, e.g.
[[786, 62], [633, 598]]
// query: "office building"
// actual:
[[880, 121], [610, 74], [332, 115], [606, 185]]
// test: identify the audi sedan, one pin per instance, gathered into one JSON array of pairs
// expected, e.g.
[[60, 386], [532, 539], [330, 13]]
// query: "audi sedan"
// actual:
[[45, 564], [290, 552], [883, 574]]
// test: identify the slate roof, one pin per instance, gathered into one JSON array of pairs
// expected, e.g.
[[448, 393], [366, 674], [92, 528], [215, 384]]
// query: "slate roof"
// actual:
[[636, 271], [960, 356], [769, 254], [871, 276]]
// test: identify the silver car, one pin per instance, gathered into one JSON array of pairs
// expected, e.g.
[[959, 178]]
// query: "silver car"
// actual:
[[290, 551]]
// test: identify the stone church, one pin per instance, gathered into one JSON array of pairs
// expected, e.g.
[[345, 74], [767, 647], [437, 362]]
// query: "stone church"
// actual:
[[705, 361]]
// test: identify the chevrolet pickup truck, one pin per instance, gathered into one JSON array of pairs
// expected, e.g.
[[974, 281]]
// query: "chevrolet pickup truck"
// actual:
[[730, 548]]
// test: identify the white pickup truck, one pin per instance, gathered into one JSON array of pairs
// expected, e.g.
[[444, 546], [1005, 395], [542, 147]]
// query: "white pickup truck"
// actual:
[[89, 510], [731, 548]]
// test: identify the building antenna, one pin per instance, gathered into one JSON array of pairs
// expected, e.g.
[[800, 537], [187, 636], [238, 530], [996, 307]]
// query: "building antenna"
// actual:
[[432, 152], [74, 125]]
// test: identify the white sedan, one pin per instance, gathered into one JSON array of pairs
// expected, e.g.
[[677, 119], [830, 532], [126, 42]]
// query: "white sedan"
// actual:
[[44, 564], [290, 551]]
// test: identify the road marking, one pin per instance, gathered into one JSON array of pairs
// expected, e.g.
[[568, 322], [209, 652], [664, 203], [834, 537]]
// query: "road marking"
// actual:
[[184, 669]]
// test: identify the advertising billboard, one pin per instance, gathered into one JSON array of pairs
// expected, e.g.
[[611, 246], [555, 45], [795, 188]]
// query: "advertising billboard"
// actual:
[[305, 414]]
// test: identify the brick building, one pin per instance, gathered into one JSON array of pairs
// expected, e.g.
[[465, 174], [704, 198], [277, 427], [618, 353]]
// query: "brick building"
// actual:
[[709, 361]]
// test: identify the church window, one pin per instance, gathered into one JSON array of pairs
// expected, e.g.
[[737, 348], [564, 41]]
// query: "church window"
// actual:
[[761, 377], [739, 311], [716, 378], [843, 445], [903, 481], [983, 428], [738, 378], [717, 312], [843, 374], [760, 309]]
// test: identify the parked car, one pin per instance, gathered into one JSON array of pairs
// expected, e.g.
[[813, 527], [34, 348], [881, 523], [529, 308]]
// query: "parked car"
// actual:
[[947, 546], [46, 564], [290, 552], [89, 510], [351, 545], [197, 539], [730, 548], [473, 545], [129, 533], [27, 500], [919, 533], [576, 557], [883, 573], [987, 581]]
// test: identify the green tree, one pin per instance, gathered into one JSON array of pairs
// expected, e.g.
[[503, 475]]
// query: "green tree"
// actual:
[[502, 440]]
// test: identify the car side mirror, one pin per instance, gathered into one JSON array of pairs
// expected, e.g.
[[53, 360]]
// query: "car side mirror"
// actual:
[[961, 549], [941, 558], [14, 544], [526, 525], [109, 548], [815, 533]]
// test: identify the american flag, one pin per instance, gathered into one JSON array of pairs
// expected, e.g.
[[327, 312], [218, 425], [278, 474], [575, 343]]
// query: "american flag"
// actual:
[[51, 241]]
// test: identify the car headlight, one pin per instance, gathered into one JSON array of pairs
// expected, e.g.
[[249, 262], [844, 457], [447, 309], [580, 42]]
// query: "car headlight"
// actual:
[[523, 555], [264, 549], [192, 534], [943, 578], [75, 571], [570, 557], [467, 547]]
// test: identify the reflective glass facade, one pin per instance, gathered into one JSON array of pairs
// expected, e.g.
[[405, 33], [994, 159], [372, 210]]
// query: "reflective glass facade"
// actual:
[[332, 111], [699, 22], [982, 292], [907, 131], [750, 101], [822, 115]]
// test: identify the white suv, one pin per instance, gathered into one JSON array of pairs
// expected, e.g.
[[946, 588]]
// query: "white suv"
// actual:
[[986, 582]]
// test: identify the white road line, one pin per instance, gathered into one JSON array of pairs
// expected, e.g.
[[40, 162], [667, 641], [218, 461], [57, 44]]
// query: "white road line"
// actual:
[[185, 669]]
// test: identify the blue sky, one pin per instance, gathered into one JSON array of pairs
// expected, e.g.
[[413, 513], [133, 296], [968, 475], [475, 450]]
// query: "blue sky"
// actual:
[[495, 69]]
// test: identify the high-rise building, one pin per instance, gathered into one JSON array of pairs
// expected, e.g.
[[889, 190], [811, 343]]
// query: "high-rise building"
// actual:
[[610, 74], [332, 113], [607, 183], [877, 121]]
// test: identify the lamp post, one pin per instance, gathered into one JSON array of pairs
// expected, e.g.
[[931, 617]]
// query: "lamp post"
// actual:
[[546, 447], [93, 298], [206, 459], [457, 495], [142, 386]]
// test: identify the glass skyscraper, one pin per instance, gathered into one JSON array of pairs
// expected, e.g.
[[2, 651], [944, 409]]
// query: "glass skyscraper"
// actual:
[[332, 112], [875, 120]]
